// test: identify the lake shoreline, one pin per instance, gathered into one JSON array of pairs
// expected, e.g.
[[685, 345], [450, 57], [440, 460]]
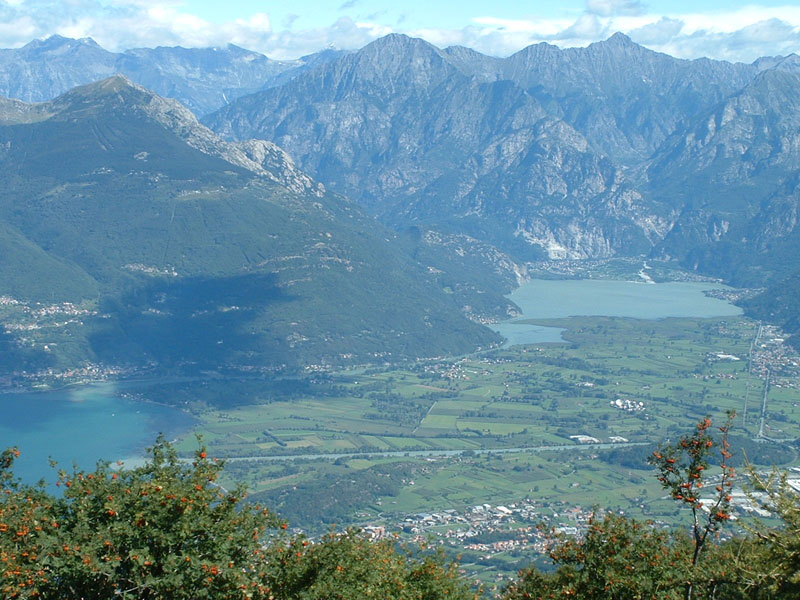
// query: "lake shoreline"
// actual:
[[543, 299]]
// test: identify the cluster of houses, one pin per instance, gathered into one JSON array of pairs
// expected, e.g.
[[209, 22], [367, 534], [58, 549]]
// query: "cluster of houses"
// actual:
[[519, 525], [773, 354], [527, 525], [627, 405]]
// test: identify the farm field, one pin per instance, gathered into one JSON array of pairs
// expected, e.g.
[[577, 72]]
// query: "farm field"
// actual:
[[378, 445]]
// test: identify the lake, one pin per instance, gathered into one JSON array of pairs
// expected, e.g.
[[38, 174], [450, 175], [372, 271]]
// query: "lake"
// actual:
[[554, 299], [84, 423], [81, 424]]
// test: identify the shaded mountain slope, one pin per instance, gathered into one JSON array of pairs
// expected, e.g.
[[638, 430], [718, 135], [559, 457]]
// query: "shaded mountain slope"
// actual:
[[202, 252], [780, 303]]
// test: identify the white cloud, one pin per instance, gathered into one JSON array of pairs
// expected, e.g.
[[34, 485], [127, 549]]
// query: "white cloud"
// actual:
[[741, 34], [18, 30], [607, 8], [733, 21], [660, 32], [586, 27]]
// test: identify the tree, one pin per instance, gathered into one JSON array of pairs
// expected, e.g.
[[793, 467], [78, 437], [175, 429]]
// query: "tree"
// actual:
[[623, 559], [167, 530], [681, 470]]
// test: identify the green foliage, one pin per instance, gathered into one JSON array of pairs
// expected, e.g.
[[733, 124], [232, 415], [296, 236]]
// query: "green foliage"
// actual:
[[770, 562], [618, 558], [625, 559], [167, 531], [143, 533], [348, 566]]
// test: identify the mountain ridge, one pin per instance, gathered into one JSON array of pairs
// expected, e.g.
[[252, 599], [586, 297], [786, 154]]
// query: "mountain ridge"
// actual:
[[197, 259], [203, 79]]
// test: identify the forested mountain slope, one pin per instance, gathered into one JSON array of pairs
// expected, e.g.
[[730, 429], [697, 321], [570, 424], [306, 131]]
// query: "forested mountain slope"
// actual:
[[201, 251]]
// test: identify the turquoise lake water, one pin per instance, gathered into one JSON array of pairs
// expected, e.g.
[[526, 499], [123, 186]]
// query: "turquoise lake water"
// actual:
[[81, 424], [84, 423], [553, 299]]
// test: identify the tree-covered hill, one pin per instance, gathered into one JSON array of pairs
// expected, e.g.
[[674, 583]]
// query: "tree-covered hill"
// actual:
[[203, 252]]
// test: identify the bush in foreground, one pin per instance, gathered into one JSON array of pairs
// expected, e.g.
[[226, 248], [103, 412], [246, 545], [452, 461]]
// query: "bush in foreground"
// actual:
[[167, 531], [625, 559]]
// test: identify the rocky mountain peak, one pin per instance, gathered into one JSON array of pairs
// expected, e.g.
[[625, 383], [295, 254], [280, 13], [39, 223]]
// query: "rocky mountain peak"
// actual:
[[397, 51], [112, 92], [620, 47], [621, 40], [56, 44], [397, 42], [778, 63], [790, 63], [115, 84]]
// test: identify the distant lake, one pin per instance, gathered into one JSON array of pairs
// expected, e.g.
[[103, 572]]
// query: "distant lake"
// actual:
[[554, 299], [81, 424]]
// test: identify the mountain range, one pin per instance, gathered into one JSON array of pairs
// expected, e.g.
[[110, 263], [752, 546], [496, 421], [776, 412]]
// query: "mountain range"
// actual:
[[569, 153], [447, 168], [592, 152], [203, 79]]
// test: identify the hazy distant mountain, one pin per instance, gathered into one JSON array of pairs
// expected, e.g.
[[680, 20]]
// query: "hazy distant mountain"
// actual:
[[203, 79], [201, 251]]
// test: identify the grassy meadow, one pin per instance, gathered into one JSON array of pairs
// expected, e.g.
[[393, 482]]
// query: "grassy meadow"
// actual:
[[495, 427]]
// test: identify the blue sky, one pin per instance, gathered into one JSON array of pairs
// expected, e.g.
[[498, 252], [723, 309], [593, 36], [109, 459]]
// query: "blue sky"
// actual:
[[732, 30]]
